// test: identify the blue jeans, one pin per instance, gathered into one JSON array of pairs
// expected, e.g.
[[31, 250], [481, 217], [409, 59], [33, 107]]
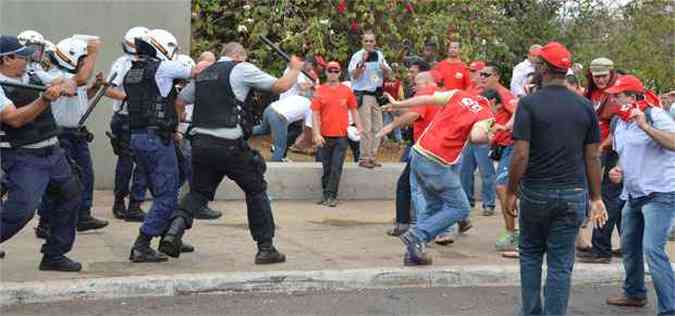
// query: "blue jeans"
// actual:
[[29, 175], [476, 156], [646, 222], [158, 160], [611, 196], [278, 125], [124, 171], [441, 201], [503, 167], [549, 222]]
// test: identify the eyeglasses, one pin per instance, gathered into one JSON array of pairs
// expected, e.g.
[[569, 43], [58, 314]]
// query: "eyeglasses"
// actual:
[[334, 71], [485, 74]]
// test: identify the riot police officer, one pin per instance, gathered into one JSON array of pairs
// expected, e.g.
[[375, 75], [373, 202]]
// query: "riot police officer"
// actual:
[[219, 147], [33, 161], [74, 59], [153, 121], [120, 136]]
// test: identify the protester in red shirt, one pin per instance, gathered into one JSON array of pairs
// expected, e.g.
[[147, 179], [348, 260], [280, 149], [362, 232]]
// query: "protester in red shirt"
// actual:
[[474, 73], [501, 147], [454, 72], [331, 105], [464, 117]]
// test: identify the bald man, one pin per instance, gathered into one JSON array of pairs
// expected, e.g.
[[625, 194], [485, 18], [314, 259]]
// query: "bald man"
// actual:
[[520, 71]]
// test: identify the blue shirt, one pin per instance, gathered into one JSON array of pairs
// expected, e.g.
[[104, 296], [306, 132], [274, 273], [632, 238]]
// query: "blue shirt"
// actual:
[[647, 166], [372, 77]]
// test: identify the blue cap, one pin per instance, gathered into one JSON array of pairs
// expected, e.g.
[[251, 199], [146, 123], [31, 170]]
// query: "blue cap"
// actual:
[[10, 45]]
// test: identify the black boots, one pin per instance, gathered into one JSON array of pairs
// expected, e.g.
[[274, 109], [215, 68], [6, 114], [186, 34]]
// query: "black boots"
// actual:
[[134, 212], [142, 252], [206, 213], [119, 209], [171, 242], [42, 229], [267, 254], [87, 222], [60, 263]]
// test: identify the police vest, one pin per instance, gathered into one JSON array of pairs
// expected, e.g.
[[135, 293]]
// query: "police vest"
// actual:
[[215, 103], [42, 128], [145, 104]]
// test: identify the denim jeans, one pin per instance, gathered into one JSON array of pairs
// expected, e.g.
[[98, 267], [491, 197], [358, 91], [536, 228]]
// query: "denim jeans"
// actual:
[[126, 169], [645, 225], [476, 156], [441, 201], [333, 158], [611, 196], [549, 223], [278, 125], [502, 178]]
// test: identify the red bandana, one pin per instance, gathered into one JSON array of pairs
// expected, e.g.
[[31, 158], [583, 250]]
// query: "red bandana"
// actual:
[[650, 100]]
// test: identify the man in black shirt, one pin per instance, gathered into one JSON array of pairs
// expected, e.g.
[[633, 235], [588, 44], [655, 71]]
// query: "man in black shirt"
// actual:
[[554, 168]]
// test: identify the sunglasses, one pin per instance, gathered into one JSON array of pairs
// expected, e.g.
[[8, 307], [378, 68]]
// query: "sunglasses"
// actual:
[[333, 71], [485, 74]]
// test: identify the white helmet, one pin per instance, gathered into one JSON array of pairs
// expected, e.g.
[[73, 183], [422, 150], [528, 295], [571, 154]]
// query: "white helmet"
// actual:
[[186, 60], [29, 36], [128, 43], [67, 53], [164, 43]]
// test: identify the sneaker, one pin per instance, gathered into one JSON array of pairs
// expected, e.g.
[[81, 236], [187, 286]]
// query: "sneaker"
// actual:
[[60, 263], [623, 300], [444, 240], [267, 254], [322, 201], [146, 254], [207, 213], [414, 255], [90, 223], [331, 202], [464, 226], [508, 241], [488, 211]]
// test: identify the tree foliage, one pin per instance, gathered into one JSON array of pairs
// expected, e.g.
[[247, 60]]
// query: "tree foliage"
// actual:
[[638, 36]]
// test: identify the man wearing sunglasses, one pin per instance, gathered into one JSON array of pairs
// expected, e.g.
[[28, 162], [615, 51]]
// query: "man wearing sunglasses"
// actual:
[[33, 160], [502, 143]]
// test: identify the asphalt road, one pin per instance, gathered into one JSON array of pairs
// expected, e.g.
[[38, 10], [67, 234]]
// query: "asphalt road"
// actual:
[[585, 300]]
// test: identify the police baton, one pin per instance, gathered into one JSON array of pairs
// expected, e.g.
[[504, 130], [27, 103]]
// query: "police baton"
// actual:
[[279, 52], [97, 97], [23, 86]]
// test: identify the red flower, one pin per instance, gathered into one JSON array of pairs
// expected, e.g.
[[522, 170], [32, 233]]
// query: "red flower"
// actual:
[[342, 6], [409, 7]]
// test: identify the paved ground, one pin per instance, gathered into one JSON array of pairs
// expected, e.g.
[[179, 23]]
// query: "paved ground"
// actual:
[[585, 300], [313, 237]]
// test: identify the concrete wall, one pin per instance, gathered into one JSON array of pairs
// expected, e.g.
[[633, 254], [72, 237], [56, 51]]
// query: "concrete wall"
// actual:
[[108, 19]]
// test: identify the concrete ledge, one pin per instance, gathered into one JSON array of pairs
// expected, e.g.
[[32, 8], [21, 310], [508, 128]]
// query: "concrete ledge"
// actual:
[[162, 285], [302, 181]]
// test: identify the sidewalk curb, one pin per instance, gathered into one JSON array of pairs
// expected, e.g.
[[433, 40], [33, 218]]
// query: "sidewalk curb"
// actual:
[[281, 281]]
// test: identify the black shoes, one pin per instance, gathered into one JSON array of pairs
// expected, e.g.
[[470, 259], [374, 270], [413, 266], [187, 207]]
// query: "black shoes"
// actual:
[[267, 254], [61, 263], [141, 251], [398, 229], [2, 254], [88, 222], [119, 209], [185, 248], [206, 213], [171, 242], [414, 255], [42, 230]]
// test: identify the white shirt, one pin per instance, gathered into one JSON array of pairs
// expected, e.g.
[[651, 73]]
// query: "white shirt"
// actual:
[[293, 108], [519, 77], [68, 110], [296, 88], [183, 126], [121, 66]]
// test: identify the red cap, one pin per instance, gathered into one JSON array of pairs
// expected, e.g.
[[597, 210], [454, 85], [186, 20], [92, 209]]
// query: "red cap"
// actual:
[[477, 65], [555, 54], [626, 83], [333, 65]]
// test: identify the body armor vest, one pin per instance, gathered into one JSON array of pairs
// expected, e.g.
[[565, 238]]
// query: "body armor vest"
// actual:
[[215, 103], [145, 104], [42, 128]]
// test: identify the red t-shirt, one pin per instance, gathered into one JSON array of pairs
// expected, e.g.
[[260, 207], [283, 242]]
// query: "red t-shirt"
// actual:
[[393, 88], [426, 112], [605, 108], [334, 103], [455, 74], [503, 115], [475, 89], [447, 135]]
